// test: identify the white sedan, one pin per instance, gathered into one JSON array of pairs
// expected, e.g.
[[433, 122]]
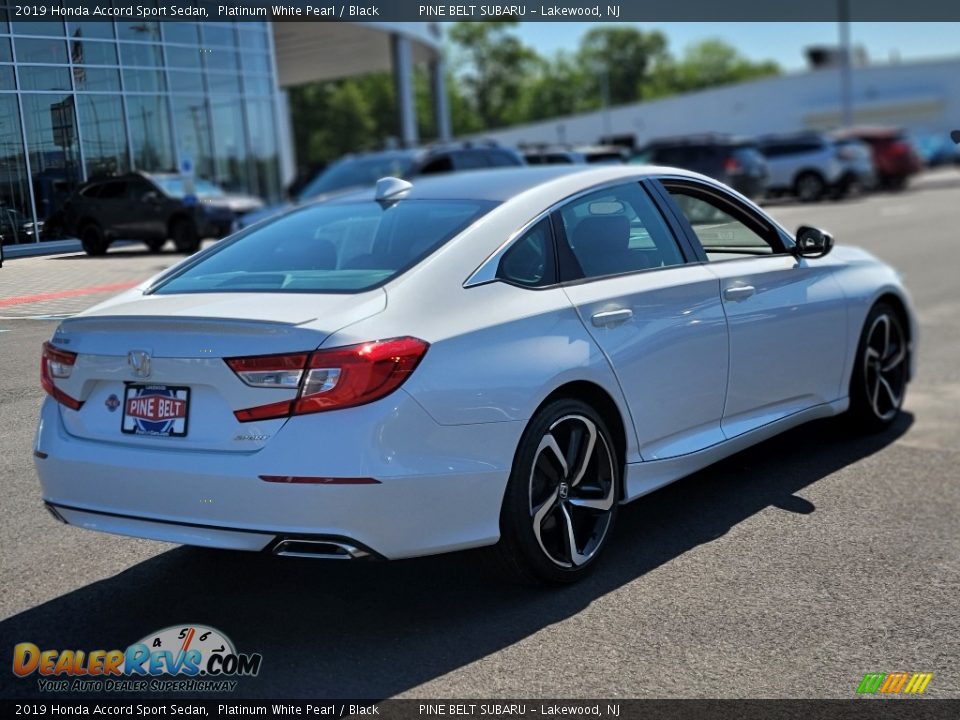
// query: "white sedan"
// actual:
[[494, 358]]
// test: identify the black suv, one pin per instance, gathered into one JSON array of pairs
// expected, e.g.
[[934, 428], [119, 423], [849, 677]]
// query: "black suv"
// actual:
[[733, 161], [151, 208]]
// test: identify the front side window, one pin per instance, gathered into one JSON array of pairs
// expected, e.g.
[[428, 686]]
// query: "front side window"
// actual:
[[721, 232], [618, 230], [329, 248]]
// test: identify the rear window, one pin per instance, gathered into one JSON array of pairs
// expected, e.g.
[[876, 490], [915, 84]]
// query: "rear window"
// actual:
[[357, 172], [328, 248]]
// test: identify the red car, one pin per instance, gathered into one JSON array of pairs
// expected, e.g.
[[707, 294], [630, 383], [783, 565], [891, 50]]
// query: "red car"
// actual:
[[893, 155]]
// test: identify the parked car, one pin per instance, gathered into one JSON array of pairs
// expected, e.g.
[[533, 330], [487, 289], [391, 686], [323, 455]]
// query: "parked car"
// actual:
[[152, 207], [731, 160], [812, 166], [16, 228], [586, 155], [494, 358], [894, 156], [364, 169]]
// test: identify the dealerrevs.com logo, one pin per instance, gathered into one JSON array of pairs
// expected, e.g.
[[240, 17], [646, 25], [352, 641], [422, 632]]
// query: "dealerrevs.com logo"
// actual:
[[186, 658]]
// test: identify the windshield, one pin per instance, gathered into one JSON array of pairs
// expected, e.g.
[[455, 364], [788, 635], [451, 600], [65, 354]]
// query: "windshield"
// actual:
[[176, 187], [327, 248], [357, 172]]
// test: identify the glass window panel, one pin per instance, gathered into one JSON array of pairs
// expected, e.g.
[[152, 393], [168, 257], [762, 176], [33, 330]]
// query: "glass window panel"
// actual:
[[37, 28], [102, 30], [257, 85], [256, 62], [223, 83], [181, 32], [214, 35], [193, 133], [140, 54], [4, 24], [185, 81], [15, 187], [51, 131], [44, 77], [221, 59], [34, 50], [230, 145], [93, 53], [143, 80], [252, 39], [264, 155], [7, 80], [184, 57], [149, 121], [96, 79], [132, 30], [104, 134], [5, 54]]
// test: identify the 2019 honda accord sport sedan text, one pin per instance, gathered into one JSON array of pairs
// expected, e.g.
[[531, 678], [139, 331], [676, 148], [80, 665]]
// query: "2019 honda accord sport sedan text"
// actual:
[[495, 358]]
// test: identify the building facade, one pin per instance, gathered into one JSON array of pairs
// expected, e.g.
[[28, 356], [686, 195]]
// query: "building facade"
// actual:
[[80, 100]]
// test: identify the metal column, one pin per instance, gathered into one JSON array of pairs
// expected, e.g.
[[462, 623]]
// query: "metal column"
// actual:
[[441, 108], [403, 79]]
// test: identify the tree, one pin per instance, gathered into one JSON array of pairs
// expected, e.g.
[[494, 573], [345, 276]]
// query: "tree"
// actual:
[[492, 65], [625, 56], [709, 63]]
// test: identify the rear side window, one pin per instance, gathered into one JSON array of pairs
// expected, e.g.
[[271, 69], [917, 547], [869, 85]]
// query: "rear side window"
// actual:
[[529, 261], [112, 190], [328, 248], [618, 230]]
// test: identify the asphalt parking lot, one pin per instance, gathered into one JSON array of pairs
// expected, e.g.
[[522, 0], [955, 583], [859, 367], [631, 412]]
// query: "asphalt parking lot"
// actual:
[[789, 570]]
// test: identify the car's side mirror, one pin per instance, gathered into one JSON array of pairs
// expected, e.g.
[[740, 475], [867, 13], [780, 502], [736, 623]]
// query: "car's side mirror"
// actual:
[[812, 242], [150, 196]]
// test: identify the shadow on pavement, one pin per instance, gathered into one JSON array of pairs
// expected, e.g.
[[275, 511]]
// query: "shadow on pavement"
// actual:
[[372, 630]]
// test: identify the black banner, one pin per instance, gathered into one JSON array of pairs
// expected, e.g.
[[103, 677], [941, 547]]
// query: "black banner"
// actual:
[[424, 10], [856, 709]]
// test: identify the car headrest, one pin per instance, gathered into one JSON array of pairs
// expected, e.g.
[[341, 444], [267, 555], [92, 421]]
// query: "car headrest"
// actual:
[[602, 235]]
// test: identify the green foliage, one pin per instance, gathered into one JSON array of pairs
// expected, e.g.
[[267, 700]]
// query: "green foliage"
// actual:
[[496, 81]]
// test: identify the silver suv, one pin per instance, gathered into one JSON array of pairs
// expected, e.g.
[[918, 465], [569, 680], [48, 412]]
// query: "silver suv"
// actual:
[[808, 166]]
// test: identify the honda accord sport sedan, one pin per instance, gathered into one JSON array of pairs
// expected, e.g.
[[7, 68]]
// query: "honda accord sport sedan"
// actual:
[[497, 358]]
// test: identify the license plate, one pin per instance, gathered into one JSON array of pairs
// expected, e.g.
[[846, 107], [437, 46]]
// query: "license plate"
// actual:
[[159, 410]]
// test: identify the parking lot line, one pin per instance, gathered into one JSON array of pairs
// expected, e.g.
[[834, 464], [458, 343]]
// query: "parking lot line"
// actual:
[[25, 299]]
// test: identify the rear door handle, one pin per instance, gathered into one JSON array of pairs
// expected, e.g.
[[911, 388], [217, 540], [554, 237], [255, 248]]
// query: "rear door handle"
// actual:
[[741, 292], [611, 317]]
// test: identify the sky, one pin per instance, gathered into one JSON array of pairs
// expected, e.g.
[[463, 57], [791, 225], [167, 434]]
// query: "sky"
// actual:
[[783, 42]]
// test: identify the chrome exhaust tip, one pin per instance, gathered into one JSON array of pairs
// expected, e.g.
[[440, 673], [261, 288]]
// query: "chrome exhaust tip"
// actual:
[[319, 549]]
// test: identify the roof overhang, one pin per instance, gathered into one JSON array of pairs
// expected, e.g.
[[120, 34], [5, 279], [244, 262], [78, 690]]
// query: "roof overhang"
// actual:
[[312, 51]]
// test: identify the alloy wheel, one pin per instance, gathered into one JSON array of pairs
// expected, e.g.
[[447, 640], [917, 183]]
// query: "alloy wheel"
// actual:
[[572, 491], [884, 367]]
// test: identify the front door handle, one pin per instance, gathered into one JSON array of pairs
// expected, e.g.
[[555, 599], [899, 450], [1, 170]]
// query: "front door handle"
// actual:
[[611, 317], [738, 293]]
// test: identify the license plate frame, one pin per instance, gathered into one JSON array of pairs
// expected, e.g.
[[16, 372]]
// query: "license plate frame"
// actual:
[[165, 425]]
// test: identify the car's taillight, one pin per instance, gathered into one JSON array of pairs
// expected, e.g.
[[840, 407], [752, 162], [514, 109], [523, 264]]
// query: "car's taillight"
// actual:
[[57, 364], [731, 165], [329, 379]]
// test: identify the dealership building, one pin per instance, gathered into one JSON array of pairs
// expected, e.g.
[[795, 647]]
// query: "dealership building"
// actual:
[[80, 100]]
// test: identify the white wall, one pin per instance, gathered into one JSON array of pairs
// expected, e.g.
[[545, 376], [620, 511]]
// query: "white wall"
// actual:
[[920, 96]]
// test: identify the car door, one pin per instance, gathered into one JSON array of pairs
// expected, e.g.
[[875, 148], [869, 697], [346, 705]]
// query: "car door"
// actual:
[[656, 316], [786, 316], [109, 209], [143, 211]]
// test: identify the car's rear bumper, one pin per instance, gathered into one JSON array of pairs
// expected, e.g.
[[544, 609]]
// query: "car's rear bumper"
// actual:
[[431, 488]]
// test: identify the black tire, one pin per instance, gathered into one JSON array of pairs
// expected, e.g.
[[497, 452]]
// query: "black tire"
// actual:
[[184, 234], [809, 187], [93, 241], [879, 381], [155, 246], [542, 494]]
